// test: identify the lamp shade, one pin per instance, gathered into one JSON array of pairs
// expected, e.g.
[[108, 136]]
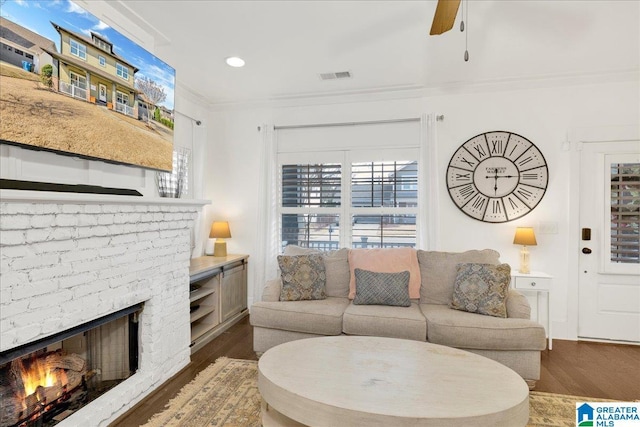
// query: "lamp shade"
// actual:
[[525, 236], [220, 229]]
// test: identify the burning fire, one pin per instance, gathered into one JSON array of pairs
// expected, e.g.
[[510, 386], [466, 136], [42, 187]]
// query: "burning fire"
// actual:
[[40, 375]]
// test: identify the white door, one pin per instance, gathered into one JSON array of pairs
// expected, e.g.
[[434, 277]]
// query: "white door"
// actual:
[[609, 276], [102, 93]]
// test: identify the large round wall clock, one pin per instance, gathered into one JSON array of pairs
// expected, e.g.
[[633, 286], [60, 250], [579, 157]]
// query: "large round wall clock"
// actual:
[[497, 177]]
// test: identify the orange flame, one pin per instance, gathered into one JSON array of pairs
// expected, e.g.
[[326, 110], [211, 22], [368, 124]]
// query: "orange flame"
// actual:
[[39, 374]]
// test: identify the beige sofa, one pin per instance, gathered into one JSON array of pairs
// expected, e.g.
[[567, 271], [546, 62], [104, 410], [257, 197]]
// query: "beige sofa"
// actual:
[[514, 341]]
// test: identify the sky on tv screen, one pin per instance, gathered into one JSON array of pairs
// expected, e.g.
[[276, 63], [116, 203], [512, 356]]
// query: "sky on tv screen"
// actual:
[[37, 16]]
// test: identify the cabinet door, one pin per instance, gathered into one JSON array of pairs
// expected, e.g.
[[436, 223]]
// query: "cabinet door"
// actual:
[[233, 291]]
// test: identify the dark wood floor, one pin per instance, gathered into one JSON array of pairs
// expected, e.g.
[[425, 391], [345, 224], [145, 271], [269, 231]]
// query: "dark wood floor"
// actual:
[[608, 371]]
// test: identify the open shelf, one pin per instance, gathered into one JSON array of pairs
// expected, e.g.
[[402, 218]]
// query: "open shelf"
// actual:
[[202, 311], [200, 293]]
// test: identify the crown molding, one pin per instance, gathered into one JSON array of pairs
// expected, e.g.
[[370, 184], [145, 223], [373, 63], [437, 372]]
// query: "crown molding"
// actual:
[[420, 91]]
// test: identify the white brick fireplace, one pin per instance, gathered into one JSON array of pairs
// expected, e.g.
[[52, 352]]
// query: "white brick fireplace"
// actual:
[[71, 258]]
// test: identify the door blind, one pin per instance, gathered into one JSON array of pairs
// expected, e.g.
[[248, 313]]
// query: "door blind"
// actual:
[[625, 213]]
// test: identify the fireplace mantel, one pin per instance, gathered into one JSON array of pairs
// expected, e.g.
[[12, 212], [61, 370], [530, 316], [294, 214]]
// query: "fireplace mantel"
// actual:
[[22, 196]]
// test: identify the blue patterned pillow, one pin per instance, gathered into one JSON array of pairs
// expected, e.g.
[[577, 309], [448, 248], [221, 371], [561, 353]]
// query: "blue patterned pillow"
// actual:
[[303, 277], [482, 289], [382, 288]]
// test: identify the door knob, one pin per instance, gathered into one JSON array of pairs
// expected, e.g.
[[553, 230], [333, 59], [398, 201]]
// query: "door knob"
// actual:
[[586, 251]]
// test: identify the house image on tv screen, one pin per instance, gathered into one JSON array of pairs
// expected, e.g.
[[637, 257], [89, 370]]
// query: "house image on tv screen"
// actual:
[[90, 70], [24, 48]]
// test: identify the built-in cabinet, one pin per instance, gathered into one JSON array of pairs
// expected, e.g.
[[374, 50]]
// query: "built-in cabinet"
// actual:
[[217, 295]]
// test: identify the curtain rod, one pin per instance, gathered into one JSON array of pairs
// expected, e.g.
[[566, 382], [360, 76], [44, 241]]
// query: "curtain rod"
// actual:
[[196, 121], [322, 125]]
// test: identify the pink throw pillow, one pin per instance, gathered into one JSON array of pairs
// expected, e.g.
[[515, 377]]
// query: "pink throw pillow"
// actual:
[[390, 260]]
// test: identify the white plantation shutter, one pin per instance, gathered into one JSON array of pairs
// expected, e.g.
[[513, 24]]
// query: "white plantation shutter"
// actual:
[[625, 213]]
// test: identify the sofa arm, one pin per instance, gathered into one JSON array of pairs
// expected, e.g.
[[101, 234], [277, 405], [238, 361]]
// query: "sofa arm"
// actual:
[[271, 291], [517, 305]]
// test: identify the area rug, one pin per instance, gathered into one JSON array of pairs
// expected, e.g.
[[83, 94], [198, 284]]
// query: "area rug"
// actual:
[[226, 394]]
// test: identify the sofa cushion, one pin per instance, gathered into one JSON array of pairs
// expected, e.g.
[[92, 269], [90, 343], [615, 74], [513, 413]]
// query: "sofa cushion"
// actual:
[[438, 271], [385, 321], [382, 288], [336, 266], [321, 317], [460, 329], [482, 289], [303, 277], [386, 260]]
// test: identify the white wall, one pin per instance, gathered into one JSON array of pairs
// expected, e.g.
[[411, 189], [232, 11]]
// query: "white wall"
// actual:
[[544, 115]]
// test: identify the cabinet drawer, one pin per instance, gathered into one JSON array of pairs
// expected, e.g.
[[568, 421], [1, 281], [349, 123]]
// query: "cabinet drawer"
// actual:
[[532, 283]]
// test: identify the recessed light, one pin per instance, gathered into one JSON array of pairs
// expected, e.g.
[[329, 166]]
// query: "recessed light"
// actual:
[[234, 61]]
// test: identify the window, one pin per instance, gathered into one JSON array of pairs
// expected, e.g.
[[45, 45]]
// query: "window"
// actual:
[[102, 60], [102, 44], [18, 51], [77, 80], [363, 204], [122, 98], [625, 213], [78, 49], [28, 56], [122, 71], [384, 200]]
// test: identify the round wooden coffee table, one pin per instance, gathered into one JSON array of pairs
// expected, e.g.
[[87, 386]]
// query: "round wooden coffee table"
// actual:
[[356, 381]]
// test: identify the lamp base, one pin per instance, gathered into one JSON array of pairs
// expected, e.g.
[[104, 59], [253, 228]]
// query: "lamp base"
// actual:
[[524, 261], [220, 249]]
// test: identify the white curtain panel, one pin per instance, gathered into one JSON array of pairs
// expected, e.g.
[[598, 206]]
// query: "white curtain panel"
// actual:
[[265, 264], [428, 176]]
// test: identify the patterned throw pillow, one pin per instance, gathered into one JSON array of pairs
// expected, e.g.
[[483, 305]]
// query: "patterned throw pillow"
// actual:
[[303, 277], [482, 289], [382, 288]]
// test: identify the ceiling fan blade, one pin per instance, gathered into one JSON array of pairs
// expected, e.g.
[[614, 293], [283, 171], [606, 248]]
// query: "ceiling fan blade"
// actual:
[[445, 16]]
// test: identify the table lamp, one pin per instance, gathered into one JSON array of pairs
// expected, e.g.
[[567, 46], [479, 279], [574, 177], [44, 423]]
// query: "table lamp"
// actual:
[[525, 237], [220, 231]]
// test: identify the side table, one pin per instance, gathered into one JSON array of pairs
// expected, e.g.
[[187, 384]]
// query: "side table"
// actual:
[[539, 283]]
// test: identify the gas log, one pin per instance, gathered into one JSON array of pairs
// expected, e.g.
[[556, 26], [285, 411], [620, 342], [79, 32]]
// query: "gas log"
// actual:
[[65, 373]]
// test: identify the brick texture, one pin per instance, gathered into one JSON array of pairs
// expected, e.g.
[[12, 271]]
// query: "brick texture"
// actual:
[[66, 264]]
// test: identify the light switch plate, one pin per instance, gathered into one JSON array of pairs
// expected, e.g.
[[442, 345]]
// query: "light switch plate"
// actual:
[[547, 227]]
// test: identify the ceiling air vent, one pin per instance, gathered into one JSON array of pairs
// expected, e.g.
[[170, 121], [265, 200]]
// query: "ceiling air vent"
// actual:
[[337, 75]]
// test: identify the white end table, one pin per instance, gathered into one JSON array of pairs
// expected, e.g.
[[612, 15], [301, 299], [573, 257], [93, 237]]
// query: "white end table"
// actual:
[[537, 282]]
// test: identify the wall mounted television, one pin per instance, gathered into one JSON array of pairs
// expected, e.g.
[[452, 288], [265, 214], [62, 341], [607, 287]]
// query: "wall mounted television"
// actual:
[[71, 84]]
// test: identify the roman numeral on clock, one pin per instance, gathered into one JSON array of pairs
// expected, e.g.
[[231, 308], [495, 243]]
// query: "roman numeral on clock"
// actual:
[[525, 161], [496, 206], [530, 176], [478, 203], [496, 146], [480, 151], [524, 192], [471, 164], [463, 176], [467, 191]]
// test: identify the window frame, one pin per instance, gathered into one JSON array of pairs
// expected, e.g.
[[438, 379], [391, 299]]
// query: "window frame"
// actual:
[[102, 61], [346, 211], [123, 96], [78, 80], [79, 49], [122, 71]]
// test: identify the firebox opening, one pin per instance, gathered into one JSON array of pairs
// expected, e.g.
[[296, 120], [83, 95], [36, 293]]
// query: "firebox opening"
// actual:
[[42, 386]]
